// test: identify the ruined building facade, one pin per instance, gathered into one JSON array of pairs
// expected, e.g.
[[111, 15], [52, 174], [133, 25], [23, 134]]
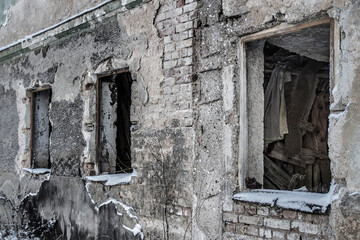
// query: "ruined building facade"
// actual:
[[165, 119]]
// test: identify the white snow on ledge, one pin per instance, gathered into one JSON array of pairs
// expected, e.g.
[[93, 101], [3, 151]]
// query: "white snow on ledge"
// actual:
[[113, 179], [38, 170], [302, 201]]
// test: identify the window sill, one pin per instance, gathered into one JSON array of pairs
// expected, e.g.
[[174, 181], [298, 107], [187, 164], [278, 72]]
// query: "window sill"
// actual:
[[113, 179], [37, 171], [300, 201]]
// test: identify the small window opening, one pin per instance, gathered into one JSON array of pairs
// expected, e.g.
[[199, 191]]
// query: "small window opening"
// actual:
[[292, 82], [41, 129], [114, 120]]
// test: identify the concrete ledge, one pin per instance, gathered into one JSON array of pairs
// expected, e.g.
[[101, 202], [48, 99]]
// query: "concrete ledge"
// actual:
[[301, 201]]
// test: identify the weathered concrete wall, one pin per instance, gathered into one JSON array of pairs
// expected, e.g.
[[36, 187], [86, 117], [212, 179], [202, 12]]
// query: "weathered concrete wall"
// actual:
[[344, 132], [161, 112], [8, 131], [183, 57], [23, 18]]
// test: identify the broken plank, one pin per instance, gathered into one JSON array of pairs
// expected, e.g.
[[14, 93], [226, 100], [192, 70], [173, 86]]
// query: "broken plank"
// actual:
[[311, 154], [268, 184], [311, 100], [275, 174], [307, 126], [316, 177], [301, 98], [325, 175], [319, 116], [278, 153], [280, 156], [308, 178]]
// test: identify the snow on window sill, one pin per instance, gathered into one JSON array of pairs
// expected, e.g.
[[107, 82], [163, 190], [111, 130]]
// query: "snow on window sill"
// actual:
[[38, 170], [113, 179], [301, 201]]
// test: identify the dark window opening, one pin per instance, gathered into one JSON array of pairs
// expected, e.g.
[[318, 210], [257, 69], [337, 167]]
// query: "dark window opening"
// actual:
[[296, 110], [114, 119], [41, 129]]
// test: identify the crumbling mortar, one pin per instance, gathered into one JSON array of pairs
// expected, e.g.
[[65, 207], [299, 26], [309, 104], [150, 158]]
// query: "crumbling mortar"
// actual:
[[216, 69], [210, 102]]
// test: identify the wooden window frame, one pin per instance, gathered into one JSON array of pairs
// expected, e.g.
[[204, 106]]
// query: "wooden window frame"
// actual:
[[98, 104], [281, 29], [31, 92]]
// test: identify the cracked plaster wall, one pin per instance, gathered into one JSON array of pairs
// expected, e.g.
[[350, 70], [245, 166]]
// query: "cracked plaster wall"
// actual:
[[222, 25], [161, 144], [24, 18]]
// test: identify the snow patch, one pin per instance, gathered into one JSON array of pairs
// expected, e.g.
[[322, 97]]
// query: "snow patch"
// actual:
[[354, 193], [302, 201], [127, 208], [36, 193], [8, 15], [136, 230], [113, 179], [302, 189], [38, 170], [130, 212], [92, 200], [337, 115]]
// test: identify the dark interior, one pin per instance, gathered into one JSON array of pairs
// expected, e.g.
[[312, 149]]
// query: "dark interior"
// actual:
[[301, 157]]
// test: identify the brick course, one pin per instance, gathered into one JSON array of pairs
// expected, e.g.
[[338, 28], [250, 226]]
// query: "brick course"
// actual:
[[252, 221]]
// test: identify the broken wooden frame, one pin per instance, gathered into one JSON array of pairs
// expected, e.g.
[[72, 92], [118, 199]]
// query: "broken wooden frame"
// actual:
[[98, 164], [31, 95], [281, 29]]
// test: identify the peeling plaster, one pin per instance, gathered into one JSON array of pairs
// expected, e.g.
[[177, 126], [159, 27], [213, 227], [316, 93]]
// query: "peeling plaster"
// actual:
[[5, 11], [23, 109]]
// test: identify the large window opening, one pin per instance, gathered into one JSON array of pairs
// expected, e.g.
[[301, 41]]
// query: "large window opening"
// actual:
[[41, 128], [285, 109], [114, 92]]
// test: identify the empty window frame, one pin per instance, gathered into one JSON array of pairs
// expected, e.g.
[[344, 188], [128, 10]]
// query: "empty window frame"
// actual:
[[113, 133], [40, 128], [284, 108]]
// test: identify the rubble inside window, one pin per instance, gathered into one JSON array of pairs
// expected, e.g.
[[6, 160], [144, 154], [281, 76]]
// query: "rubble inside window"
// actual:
[[41, 128], [296, 110], [114, 94]]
